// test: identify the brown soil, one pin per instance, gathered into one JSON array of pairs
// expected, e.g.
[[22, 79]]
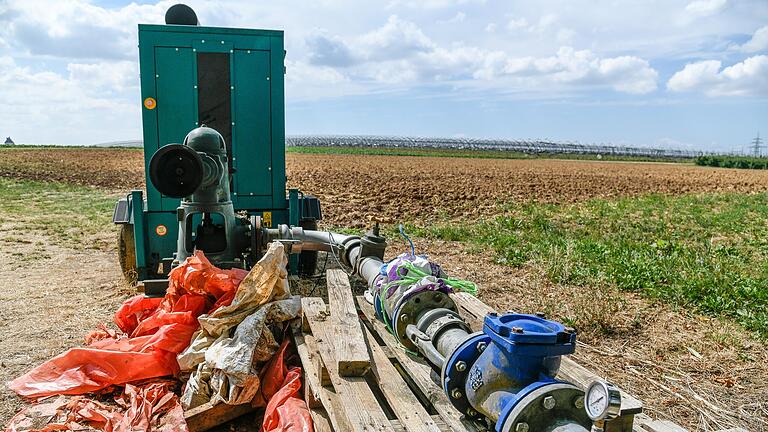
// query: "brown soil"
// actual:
[[680, 364], [421, 189], [425, 189]]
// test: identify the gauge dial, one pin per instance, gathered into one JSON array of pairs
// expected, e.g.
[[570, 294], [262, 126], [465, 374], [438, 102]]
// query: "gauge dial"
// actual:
[[602, 401]]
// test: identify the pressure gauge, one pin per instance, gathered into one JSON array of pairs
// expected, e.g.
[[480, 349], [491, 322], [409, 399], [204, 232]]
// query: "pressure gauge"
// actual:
[[602, 401]]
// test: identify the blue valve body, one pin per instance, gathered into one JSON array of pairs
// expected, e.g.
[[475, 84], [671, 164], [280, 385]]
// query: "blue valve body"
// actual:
[[514, 355]]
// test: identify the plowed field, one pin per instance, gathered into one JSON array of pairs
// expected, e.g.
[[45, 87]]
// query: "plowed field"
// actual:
[[417, 189]]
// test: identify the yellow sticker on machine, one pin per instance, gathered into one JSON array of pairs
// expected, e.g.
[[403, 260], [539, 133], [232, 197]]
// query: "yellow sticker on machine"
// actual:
[[266, 219]]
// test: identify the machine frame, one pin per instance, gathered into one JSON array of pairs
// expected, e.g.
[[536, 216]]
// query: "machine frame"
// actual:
[[171, 89]]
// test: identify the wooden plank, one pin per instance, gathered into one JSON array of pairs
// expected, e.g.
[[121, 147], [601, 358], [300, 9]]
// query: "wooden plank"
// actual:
[[307, 350], [420, 374], [320, 420], [311, 386], [407, 408], [358, 403], [473, 311], [352, 358], [208, 415]]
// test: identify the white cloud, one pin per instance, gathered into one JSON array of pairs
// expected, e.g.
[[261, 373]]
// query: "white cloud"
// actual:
[[517, 23], [42, 103], [115, 76], [625, 74], [706, 7], [758, 42], [400, 53], [544, 24], [431, 4], [397, 38], [747, 78], [490, 28], [459, 17]]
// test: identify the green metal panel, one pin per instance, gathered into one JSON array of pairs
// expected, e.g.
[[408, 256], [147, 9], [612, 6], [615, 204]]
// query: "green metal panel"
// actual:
[[251, 134], [257, 106], [139, 228], [161, 246], [176, 105], [278, 122]]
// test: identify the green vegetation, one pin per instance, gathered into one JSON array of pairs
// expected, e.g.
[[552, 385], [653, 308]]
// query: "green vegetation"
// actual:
[[743, 162], [475, 154], [75, 216], [708, 252]]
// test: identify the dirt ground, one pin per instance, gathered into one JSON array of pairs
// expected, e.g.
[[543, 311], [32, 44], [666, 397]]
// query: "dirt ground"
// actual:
[[702, 373], [51, 297]]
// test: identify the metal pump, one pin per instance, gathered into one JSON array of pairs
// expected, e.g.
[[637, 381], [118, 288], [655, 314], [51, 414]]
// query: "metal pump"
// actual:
[[196, 172]]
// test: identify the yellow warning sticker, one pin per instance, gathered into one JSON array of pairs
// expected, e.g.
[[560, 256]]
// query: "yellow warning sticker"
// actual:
[[150, 103], [266, 219], [161, 230]]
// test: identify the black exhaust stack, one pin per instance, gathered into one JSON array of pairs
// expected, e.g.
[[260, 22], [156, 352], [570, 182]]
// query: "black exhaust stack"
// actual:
[[181, 14]]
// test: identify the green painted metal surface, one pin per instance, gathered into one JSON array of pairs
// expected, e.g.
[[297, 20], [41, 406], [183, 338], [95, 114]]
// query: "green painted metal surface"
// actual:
[[169, 57]]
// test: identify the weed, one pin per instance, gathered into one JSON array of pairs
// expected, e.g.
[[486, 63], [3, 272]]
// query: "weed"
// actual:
[[708, 252], [69, 214]]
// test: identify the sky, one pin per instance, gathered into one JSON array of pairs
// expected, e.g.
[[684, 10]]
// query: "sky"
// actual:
[[690, 74]]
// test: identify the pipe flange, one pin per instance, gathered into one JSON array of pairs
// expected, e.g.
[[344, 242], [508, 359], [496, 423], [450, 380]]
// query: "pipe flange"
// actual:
[[542, 405], [454, 378], [410, 309]]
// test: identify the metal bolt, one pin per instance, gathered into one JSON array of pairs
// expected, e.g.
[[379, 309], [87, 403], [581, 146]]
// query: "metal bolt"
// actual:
[[436, 297], [517, 330], [541, 314], [471, 412], [579, 402], [481, 346], [404, 317], [461, 366], [549, 402], [522, 427], [456, 394]]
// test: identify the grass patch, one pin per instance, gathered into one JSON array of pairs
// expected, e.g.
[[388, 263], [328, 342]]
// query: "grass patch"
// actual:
[[472, 154], [708, 252], [70, 215]]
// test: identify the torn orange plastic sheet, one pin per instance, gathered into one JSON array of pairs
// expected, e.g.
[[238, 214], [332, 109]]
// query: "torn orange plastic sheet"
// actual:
[[155, 331], [280, 385], [150, 406]]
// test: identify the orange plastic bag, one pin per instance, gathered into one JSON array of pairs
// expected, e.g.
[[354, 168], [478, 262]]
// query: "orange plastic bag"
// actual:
[[285, 412], [149, 406], [156, 330]]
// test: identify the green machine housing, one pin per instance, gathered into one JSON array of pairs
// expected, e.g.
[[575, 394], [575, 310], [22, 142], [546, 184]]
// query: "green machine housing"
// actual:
[[231, 80]]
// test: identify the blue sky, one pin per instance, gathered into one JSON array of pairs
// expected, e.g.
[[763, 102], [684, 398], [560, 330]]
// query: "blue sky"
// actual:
[[684, 74]]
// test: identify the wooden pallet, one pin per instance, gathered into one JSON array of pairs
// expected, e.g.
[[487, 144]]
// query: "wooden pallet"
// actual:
[[397, 391]]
